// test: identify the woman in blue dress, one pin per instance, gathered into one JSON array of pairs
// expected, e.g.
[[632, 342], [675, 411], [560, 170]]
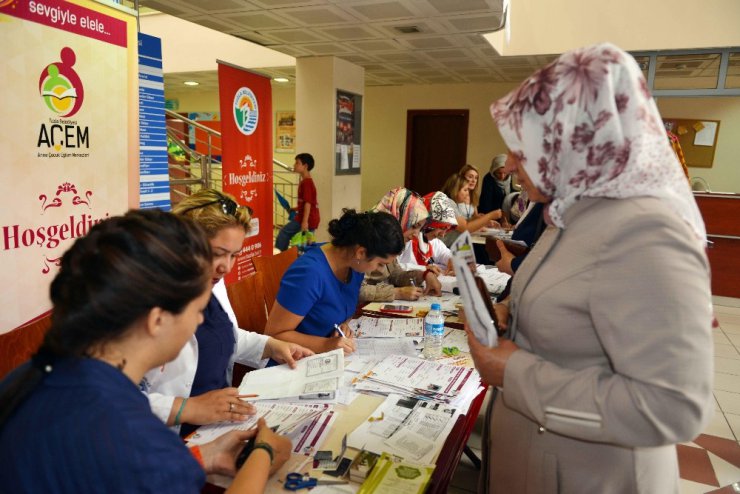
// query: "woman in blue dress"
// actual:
[[321, 288], [126, 299]]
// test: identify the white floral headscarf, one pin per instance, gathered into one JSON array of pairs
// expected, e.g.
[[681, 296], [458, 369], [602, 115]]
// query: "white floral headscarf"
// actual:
[[586, 126]]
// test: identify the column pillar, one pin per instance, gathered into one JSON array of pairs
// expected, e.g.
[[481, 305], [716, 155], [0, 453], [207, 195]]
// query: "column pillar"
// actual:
[[317, 82]]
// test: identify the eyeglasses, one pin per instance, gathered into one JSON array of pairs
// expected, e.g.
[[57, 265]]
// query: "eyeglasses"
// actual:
[[228, 206]]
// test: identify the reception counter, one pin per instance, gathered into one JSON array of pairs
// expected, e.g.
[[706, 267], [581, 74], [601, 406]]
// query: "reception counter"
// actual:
[[721, 213]]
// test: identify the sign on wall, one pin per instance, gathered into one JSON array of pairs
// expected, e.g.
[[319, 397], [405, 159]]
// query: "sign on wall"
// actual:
[[349, 133], [246, 139], [154, 176], [65, 141]]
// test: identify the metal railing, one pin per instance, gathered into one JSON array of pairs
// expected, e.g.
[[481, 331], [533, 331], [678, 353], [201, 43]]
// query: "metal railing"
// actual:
[[191, 170]]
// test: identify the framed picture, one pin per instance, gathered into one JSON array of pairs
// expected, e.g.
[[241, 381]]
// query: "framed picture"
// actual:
[[285, 132], [348, 147]]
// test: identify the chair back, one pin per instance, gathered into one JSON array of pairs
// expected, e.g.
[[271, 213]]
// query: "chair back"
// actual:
[[272, 269], [247, 300], [20, 344]]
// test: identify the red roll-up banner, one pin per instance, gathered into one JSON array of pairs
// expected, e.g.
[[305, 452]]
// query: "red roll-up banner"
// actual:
[[246, 139]]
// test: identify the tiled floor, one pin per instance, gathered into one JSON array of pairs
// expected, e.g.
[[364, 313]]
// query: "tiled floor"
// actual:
[[709, 464]]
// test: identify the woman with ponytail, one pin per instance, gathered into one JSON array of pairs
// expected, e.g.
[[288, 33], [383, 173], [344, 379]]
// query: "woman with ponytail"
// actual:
[[321, 288]]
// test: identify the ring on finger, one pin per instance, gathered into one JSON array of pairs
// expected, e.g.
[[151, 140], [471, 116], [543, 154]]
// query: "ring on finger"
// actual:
[[231, 407]]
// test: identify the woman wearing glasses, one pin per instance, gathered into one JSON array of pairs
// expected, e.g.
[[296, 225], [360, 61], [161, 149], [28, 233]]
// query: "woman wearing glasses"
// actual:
[[127, 297], [195, 389]]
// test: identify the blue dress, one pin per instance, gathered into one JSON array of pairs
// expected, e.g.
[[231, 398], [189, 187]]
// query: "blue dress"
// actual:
[[310, 289], [88, 428]]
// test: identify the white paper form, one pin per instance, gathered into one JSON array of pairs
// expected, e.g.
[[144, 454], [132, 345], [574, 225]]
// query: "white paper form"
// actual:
[[311, 435], [407, 427], [379, 348], [456, 338], [315, 374], [476, 313], [287, 416], [387, 327], [422, 377]]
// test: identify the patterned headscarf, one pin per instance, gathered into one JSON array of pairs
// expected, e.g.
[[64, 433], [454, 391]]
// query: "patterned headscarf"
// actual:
[[405, 205], [442, 210], [586, 126]]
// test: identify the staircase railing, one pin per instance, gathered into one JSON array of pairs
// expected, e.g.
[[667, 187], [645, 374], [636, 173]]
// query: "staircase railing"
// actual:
[[191, 170]]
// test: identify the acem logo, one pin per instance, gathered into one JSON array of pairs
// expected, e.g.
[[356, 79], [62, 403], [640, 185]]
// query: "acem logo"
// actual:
[[62, 92], [61, 87], [246, 111]]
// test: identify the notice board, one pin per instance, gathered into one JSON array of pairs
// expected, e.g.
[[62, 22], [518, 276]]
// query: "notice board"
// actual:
[[698, 138]]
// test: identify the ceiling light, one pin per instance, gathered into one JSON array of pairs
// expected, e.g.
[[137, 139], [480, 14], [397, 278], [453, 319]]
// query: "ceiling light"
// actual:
[[191, 83], [281, 79]]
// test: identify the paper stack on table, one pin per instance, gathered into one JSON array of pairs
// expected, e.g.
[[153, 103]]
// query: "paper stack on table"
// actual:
[[417, 377], [408, 427], [289, 417], [315, 374], [387, 327]]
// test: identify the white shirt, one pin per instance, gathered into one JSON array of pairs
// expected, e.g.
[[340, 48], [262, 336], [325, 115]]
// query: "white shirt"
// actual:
[[163, 384], [440, 254]]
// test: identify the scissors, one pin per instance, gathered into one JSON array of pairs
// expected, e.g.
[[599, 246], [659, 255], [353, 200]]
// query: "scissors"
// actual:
[[295, 481]]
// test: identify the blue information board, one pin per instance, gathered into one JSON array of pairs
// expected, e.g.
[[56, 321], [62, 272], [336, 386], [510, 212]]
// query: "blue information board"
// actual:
[[154, 179]]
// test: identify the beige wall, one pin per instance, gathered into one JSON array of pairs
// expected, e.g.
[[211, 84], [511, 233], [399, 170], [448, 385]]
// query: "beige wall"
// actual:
[[724, 176], [384, 139]]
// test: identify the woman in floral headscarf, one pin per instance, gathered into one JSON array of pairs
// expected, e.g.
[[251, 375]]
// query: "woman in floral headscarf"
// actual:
[[609, 359], [426, 249], [391, 281]]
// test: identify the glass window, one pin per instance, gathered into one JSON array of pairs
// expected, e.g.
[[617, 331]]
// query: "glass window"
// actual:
[[690, 71]]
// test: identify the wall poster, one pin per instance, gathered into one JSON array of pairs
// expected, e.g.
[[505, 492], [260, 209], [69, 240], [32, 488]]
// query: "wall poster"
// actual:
[[69, 141], [285, 132], [349, 131]]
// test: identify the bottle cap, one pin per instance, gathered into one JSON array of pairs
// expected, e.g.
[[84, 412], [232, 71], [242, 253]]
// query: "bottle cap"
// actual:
[[436, 307]]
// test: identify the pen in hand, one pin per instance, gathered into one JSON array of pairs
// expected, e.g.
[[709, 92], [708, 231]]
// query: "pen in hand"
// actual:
[[336, 326]]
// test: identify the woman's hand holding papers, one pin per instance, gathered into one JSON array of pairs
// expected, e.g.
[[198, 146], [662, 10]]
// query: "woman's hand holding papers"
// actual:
[[216, 406], [491, 362], [285, 352]]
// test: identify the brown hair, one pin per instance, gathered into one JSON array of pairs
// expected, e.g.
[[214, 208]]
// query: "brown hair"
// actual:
[[473, 193]]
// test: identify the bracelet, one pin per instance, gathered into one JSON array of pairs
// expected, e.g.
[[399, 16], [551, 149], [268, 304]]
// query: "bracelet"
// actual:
[[266, 447], [179, 412], [197, 454]]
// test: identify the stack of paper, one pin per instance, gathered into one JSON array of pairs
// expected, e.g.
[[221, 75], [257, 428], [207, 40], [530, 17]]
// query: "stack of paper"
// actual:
[[315, 374], [408, 427], [417, 377], [288, 417], [387, 327]]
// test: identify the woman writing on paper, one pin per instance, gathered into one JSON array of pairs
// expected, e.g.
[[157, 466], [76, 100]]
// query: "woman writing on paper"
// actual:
[[72, 419], [195, 388], [611, 360], [321, 288], [426, 248], [391, 281]]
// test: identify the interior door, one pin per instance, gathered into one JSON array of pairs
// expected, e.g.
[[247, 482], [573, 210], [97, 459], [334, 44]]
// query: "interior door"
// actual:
[[436, 147]]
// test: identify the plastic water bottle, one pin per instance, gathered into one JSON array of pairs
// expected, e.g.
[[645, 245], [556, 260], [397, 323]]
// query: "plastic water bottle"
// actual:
[[434, 331]]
